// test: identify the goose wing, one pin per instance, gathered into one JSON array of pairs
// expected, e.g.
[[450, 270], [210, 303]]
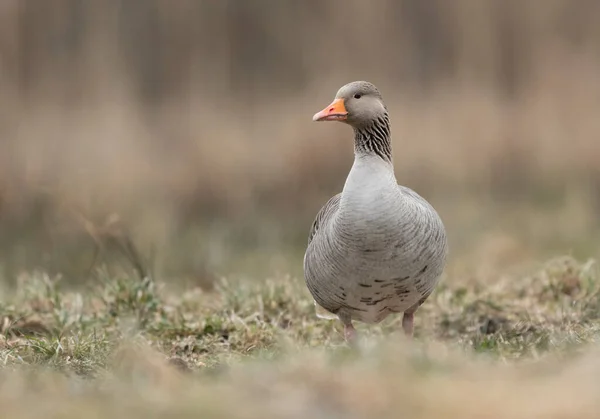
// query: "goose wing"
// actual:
[[324, 214]]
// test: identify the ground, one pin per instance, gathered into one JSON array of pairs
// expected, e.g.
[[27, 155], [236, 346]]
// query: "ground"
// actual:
[[521, 347]]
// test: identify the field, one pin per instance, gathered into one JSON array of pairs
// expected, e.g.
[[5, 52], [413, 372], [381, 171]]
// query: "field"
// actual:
[[160, 171], [520, 347]]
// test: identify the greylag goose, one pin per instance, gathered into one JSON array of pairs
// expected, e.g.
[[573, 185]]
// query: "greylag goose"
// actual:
[[377, 247]]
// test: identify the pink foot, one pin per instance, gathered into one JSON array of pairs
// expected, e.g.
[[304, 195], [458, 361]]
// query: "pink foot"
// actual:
[[349, 333]]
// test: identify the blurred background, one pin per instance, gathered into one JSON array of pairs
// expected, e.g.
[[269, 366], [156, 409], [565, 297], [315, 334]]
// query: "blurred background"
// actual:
[[179, 133]]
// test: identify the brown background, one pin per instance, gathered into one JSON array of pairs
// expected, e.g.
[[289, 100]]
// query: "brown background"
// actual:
[[191, 120]]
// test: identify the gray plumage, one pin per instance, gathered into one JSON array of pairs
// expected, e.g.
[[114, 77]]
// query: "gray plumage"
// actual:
[[377, 247]]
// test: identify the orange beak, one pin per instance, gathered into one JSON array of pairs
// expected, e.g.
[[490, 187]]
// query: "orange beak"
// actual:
[[334, 112]]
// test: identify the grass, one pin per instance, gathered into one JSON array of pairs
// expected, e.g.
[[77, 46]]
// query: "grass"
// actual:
[[130, 347]]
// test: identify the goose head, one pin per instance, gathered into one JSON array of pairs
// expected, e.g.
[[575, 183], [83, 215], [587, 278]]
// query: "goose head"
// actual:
[[357, 103]]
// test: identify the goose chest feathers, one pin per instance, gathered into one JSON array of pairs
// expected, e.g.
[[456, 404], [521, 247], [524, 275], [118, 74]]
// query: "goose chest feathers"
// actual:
[[377, 247]]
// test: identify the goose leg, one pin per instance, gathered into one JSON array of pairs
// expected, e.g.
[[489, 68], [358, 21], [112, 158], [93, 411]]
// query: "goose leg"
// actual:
[[409, 315], [407, 323]]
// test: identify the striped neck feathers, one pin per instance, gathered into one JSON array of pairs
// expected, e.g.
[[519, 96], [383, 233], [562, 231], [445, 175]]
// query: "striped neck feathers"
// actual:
[[373, 138]]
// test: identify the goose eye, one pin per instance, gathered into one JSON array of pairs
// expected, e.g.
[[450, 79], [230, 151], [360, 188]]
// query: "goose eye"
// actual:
[[357, 96]]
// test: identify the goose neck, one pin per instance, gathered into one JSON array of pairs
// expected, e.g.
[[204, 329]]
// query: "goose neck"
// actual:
[[373, 139]]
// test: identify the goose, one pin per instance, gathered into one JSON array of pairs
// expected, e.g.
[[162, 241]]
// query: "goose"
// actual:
[[376, 248]]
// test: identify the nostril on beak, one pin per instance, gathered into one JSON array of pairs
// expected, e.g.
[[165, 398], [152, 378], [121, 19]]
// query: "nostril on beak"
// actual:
[[331, 109]]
